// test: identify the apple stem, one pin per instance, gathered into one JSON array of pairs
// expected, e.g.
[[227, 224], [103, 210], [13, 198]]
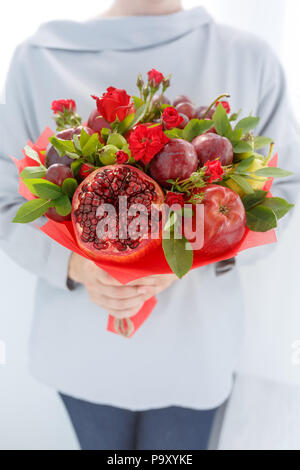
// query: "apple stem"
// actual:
[[224, 95]]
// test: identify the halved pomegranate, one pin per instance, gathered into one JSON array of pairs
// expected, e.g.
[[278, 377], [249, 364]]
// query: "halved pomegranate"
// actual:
[[101, 234]]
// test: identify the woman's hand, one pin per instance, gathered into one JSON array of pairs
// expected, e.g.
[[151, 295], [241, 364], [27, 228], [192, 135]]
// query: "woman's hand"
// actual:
[[106, 292]]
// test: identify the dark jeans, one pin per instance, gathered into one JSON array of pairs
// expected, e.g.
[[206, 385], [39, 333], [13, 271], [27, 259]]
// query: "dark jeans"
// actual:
[[100, 427]]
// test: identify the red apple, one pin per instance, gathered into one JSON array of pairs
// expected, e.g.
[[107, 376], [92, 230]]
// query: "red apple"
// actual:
[[224, 220], [178, 159], [213, 146]]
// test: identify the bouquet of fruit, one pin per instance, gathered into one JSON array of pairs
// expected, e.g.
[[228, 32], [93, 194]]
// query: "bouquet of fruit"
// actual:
[[146, 187]]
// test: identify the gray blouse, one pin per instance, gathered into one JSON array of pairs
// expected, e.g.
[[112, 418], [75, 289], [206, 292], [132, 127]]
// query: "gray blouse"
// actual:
[[186, 352]]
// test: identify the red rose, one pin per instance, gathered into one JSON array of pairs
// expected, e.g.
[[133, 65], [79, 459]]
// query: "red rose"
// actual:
[[214, 170], [174, 198], [155, 78], [115, 103], [225, 105], [59, 106], [122, 157], [145, 142], [85, 170], [171, 118]]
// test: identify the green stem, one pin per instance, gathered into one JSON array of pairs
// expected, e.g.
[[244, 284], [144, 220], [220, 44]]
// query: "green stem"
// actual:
[[225, 95], [148, 110]]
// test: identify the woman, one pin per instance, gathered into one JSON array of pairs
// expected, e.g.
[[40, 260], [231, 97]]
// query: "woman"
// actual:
[[161, 388]]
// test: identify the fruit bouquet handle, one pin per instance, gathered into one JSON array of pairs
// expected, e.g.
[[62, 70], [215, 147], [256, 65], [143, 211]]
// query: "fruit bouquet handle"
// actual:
[[127, 327], [124, 327]]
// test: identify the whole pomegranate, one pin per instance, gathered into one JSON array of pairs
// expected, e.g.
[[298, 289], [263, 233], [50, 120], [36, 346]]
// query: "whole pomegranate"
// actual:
[[52, 156], [178, 159], [213, 146], [97, 122], [224, 220], [122, 236]]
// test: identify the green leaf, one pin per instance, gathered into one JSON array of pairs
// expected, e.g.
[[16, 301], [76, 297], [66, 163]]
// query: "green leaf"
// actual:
[[62, 146], [178, 257], [279, 206], [171, 222], [270, 172], [32, 154], [242, 183], [261, 142], [174, 133], [31, 211], [29, 183], [247, 124], [236, 136], [244, 165], [72, 155], [242, 147], [138, 116], [123, 126], [69, 187], [105, 133], [261, 219], [138, 102], [45, 189], [187, 213], [91, 146], [196, 127], [76, 165], [165, 106], [77, 143], [63, 205], [33, 172], [252, 200], [234, 116], [84, 138], [221, 121]]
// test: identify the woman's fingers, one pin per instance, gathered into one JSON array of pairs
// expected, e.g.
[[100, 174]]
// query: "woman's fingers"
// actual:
[[157, 280], [120, 314], [123, 304], [109, 303], [123, 292], [105, 278]]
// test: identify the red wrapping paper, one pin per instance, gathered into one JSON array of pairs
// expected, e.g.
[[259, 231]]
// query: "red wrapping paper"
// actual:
[[155, 263]]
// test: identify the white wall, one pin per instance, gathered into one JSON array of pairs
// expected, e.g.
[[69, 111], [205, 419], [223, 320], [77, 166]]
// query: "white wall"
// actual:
[[31, 416]]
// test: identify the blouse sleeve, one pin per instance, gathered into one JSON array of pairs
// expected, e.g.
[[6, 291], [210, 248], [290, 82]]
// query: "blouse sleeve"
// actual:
[[277, 121], [25, 244]]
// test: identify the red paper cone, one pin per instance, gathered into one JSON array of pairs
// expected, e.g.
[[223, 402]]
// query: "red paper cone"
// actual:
[[149, 264]]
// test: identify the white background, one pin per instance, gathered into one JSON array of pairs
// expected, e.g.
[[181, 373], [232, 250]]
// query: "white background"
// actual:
[[31, 416]]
